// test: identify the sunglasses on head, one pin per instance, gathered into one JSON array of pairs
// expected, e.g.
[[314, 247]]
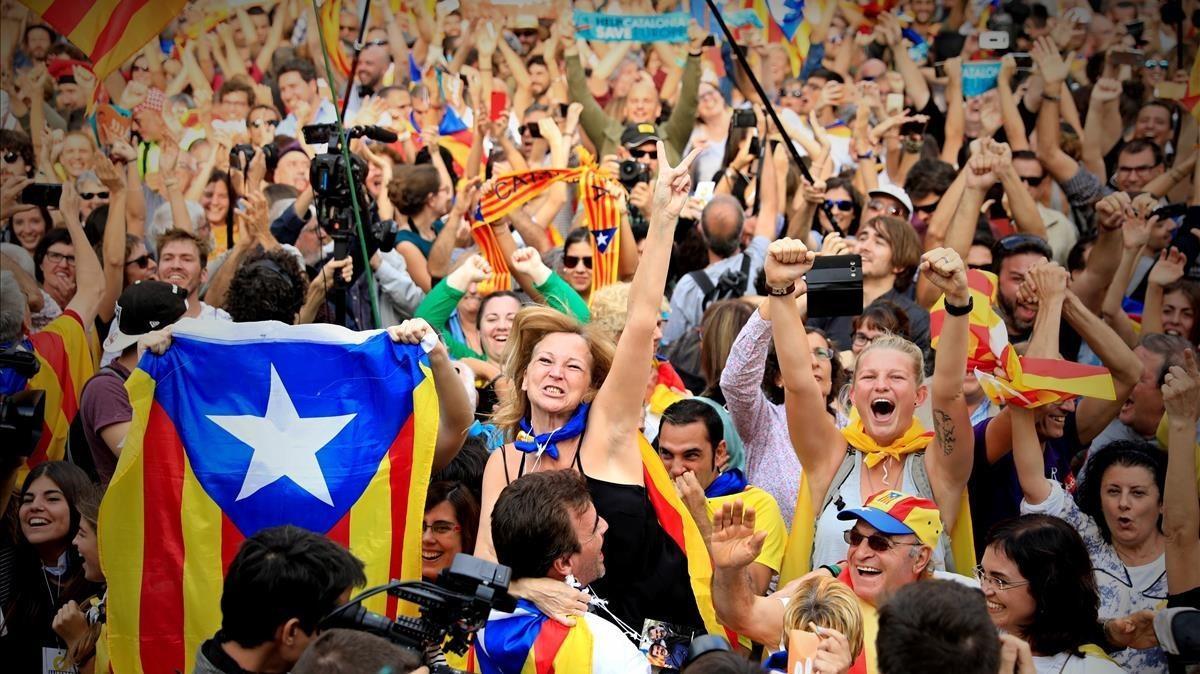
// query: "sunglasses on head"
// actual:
[[11, 157], [260, 123], [572, 261], [844, 205], [142, 262], [890, 209], [877, 542], [647, 154], [1033, 181], [86, 196]]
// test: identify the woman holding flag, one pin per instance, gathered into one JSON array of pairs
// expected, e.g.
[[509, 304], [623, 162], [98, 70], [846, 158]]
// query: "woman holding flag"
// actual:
[[884, 446], [577, 405]]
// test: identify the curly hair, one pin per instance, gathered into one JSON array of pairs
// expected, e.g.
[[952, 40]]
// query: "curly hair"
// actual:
[[1130, 453], [412, 186], [269, 286], [20, 144], [1052, 556]]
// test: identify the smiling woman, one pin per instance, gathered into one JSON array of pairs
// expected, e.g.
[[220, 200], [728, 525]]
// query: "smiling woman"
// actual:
[[451, 518], [47, 571]]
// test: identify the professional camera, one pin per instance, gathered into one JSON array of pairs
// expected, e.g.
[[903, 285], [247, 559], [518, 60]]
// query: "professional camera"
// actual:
[[22, 413], [334, 197], [631, 172], [452, 610]]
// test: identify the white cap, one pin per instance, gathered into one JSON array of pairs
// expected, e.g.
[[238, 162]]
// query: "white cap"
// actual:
[[896, 193]]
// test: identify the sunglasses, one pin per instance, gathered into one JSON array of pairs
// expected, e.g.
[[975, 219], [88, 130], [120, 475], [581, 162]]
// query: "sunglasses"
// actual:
[[88, 196], [572, 261], [526, 32], [260, 123], [1152, 64], [877, 205], [844, 205], [877, 542], [648, 154], [11, 157], [1014, 242], [440, 528], [927, 208], [794, 93], [823, 353], [1033, 181], [142, 262]]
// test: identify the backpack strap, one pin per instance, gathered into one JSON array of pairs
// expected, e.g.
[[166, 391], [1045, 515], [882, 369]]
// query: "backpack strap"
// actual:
[[703, 282], [920, 478], [839, 478]]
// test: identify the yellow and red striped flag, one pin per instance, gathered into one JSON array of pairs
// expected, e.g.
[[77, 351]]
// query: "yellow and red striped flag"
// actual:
[[604, 219], [108, 31], [319, 427], [1006, 377], [330, 20], [489, 247], [1191, 95]]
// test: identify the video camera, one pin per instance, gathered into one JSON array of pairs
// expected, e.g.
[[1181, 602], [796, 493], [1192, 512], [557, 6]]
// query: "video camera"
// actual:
[[22, 413], [334, 197], [452, 610]]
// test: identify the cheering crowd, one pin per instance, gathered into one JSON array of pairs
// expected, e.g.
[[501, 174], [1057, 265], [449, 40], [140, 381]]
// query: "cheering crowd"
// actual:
[[990, 466]]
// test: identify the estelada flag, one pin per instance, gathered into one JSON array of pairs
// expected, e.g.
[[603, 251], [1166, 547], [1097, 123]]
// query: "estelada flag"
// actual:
[[108, 31], [527, 641], [330, 20], [243, 426], [64, 366]]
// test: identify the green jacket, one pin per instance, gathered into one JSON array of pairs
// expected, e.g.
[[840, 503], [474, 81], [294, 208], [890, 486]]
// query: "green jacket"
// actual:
[[605, 132], [441, 301]]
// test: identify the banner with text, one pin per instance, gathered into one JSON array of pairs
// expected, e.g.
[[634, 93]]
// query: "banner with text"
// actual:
[[979, 77], [670, 27]]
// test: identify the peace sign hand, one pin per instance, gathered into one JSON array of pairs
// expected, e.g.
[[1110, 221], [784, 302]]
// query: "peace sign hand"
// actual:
[[673, 185]]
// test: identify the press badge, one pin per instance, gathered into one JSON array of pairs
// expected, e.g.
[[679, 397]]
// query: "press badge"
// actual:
[[54, 661]]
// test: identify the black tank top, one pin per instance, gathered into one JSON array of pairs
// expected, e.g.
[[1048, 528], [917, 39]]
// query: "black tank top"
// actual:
[[646, 574]]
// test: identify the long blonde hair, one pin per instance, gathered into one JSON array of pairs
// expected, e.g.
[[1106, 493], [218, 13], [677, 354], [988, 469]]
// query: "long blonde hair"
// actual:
[[530, 327], [824, 601]]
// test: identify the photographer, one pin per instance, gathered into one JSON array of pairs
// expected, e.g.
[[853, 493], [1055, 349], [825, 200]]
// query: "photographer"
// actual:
[[282, 582]]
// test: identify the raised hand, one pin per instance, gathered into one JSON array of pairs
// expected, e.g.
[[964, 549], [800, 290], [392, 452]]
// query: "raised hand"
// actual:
[[414, 331], [1050, 62], [735, 543], [10, 195], [473, 270], [674, 183], [1169, 268], [1135, 233], [944, 268], [787, 262], [110, 176], [981, 170], [1048, 280], [1181, 389], [1112, 210], [528, 261], [1106, 89]]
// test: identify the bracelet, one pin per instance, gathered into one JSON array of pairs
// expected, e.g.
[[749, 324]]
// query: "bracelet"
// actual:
[[953, 310], [1048, 97], [781, 292], [867, 155], [833, 569]]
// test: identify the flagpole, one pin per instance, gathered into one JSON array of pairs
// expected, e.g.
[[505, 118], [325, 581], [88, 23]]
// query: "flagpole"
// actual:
[[343, 143], [766, 101]]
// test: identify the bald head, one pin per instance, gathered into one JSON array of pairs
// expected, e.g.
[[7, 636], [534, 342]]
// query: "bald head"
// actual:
[[721, 222], [871, 69], [641, 103]]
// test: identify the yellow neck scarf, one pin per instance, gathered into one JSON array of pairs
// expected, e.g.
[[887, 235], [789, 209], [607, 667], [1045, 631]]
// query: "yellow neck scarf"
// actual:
[[914, 439]]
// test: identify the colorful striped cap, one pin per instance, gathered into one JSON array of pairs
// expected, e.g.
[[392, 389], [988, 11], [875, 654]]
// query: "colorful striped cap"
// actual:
[[896, 514]]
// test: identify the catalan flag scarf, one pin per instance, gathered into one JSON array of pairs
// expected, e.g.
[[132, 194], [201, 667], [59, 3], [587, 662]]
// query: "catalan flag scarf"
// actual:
[[529, 642], [489, 247], [1007, 377]]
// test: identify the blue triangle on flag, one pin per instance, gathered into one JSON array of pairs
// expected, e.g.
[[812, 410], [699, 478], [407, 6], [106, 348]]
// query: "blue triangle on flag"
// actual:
[[604, 238]]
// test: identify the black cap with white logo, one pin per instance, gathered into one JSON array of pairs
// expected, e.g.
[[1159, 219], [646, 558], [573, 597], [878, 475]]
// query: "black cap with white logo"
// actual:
[[144, 307]]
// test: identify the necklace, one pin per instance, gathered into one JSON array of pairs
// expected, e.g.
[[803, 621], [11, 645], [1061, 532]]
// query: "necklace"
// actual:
[[887, 483]]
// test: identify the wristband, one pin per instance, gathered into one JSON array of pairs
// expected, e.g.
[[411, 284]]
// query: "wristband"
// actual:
[[833, 569], [781, 292], [960, 311], [1048, 97]]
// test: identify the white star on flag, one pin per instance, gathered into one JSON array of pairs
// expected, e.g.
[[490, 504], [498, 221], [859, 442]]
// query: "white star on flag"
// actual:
[[284, 444], [602, 240]]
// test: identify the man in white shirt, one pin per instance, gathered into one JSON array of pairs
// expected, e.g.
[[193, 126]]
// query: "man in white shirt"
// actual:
[[544, 525]]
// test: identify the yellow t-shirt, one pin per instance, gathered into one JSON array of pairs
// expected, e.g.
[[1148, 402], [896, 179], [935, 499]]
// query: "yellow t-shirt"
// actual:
[[766, 518]]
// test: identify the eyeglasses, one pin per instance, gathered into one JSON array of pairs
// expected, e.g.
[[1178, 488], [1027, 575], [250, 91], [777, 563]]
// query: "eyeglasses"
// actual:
[[1018, 241], [999, 583], [1161, 64], [142, 262], [11, 157], [572, 261], [526, 32], [639, 153], [55, 258], [927, 208], [711, 93], [844, 205], [87, 196], [1140, 170], [794, 93], [440, 528], [877, 542], [1033, 181], [822, 353], [862, 339], [877, 205], [260, 123]]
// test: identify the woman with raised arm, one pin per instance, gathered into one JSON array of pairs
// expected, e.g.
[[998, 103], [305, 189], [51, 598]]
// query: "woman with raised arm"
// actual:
[[884, 446], [577, 405]]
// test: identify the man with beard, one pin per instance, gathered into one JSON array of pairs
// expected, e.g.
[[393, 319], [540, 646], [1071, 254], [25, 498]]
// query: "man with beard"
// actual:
[[373, 63], [1064, 428], [183, 261], [721, 224], [1012, 258]]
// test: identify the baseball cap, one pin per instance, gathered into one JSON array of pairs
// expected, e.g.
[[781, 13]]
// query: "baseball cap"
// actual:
[[155, 101], [638, 134], [63, 70], [143, 307], [896, 193], [896, 514]]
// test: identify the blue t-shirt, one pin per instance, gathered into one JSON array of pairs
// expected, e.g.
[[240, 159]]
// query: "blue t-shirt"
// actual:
[[995, 490], [411, 236]]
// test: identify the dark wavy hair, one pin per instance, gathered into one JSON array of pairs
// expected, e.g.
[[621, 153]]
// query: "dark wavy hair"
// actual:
[[1051, 555], [466, 508], [269, 286], [1132, 453]]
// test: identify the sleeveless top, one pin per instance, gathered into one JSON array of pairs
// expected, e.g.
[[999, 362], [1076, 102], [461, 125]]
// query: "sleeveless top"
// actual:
[[829, 543], [646, 574]]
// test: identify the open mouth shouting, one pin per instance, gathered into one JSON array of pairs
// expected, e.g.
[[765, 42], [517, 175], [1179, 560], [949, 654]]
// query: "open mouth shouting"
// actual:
[[883, 410]]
